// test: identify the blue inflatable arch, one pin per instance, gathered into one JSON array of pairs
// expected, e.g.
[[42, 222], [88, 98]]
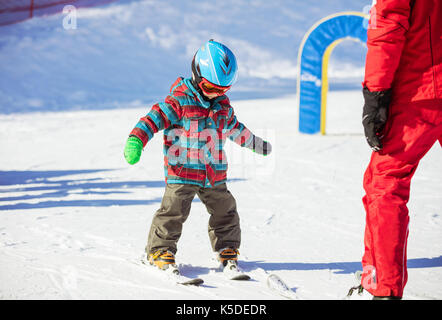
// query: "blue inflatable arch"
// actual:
[[313, 56]]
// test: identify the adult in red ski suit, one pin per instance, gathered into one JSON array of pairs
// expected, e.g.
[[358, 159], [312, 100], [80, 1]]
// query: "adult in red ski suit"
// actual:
[[402, 120]]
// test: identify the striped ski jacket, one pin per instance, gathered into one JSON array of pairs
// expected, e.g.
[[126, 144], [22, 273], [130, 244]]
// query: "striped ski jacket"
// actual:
[[195, 131]]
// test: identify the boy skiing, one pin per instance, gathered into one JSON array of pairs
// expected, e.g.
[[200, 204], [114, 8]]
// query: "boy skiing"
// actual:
[[197, 118]]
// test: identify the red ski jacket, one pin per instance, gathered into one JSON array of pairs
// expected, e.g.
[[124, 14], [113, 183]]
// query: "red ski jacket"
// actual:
[[405, 49]]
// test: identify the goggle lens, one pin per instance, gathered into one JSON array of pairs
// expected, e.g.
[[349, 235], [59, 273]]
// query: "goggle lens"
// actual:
[[208, 87]]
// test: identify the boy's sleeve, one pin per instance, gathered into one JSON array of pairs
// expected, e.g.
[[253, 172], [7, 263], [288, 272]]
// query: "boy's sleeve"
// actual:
[[161, 116], [389, 21], [238, 132]]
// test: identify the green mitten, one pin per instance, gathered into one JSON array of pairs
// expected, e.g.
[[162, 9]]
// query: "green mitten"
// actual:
[[133, 149]]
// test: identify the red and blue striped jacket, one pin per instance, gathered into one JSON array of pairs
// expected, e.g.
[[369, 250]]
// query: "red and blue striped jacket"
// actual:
[[195, 131]]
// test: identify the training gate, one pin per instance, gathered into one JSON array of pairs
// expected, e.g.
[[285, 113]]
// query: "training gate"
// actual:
[[313, 56]]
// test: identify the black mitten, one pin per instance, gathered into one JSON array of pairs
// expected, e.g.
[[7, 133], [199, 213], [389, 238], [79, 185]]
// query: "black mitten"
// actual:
[[374, 115], [260, 146]]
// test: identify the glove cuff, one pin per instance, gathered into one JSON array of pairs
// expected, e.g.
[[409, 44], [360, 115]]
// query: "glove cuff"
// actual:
[[377, 99], [135, 139]]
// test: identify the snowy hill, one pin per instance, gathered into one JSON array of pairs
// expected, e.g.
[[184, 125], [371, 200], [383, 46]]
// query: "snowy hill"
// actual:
[[127, 54], [74, 215]]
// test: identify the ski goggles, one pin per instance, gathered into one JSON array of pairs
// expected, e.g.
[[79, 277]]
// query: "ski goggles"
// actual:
[[211, 88]]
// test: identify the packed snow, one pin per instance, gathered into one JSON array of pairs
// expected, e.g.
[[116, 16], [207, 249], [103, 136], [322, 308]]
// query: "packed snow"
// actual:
[[74, 215]]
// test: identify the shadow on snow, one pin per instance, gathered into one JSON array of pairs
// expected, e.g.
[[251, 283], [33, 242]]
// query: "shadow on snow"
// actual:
[[337, 267], [28, 181], [50, 186]]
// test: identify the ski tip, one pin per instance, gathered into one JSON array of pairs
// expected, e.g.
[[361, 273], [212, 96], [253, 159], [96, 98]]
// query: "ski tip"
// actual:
[[241, 277], [275, 283], [192, 282]]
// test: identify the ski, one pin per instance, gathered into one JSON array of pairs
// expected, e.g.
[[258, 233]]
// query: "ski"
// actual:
[[186, 281], [277, 285], [173, 273], [241, 277]]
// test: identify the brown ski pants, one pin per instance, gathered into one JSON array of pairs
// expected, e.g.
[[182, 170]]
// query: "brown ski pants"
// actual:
[[167, 223]]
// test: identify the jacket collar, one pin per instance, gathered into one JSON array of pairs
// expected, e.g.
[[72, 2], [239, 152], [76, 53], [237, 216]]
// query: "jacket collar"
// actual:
[[205, 103]]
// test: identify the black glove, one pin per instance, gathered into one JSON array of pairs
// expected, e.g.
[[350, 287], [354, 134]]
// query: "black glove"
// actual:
[[374, 115], [260, 146]]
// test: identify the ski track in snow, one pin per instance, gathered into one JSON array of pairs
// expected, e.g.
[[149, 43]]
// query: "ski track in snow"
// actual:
[[74, 216]]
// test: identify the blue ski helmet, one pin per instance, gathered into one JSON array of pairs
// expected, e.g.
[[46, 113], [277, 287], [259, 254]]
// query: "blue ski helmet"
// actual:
[[216, 63]]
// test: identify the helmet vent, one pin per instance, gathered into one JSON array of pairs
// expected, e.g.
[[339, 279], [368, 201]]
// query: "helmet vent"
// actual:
[[226, 61]]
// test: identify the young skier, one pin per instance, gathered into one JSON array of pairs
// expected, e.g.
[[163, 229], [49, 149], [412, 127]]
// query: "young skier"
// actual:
[[197, 118]]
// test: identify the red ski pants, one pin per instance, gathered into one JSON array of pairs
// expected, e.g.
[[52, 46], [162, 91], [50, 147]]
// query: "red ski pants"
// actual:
[[411, 131]]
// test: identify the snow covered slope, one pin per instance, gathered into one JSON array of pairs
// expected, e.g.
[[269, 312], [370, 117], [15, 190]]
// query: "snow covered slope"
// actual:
[[129, 53], [74, 216]]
